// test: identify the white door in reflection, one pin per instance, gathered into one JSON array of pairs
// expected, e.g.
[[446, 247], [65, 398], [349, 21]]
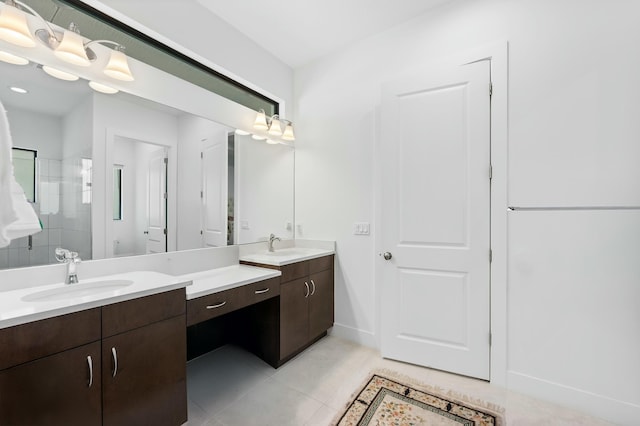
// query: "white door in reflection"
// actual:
[[214, 191], [157, 198]]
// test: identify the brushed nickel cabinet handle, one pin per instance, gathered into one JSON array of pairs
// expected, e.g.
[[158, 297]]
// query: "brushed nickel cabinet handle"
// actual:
[[219, 305], [262, 291], [114, 355], [90, 363], [308, 291], [313, 291]]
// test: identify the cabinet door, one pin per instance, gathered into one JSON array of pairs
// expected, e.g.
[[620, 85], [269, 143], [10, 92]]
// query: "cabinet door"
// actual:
[[144, 375], [56, 390], [294, 316], [320, 303]]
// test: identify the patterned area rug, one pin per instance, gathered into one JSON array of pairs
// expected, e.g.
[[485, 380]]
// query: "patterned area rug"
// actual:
[[387, 401]]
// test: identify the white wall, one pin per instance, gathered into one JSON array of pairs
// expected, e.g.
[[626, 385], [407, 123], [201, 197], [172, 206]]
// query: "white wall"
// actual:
[[572, 310], [263, 190]]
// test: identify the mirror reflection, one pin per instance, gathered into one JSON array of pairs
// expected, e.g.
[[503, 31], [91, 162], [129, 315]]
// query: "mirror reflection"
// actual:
[[119, 175]]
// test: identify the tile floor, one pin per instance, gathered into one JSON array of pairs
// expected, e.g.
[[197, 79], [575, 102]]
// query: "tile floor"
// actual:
[[231, 387]]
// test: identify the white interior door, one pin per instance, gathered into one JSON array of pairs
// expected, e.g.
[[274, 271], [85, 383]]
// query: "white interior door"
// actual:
[[435, 206], [157, 197], [214, 192]]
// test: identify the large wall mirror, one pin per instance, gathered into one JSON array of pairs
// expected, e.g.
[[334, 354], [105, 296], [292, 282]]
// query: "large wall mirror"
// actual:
[[155, 167]]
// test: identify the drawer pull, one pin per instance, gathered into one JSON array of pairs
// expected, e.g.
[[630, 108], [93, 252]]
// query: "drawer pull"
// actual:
[[307, 285], [313, 291], [219, 305], [262, 291], [90, 363], [114, 355]]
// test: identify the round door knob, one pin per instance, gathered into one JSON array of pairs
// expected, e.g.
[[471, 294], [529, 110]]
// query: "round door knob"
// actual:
[[387, 255]]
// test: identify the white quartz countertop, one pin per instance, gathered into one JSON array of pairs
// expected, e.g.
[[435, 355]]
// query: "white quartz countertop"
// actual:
[[216, 280], [35, 303], [285, 256]]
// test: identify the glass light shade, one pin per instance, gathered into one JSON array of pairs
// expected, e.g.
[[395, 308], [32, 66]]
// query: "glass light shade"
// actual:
[[71, 49], [14, 28], [59, 74], [240, 132], [102, 88], [118, 67], [10, 58], [258, 137], [275, 128], [261, 121], [288, 133]]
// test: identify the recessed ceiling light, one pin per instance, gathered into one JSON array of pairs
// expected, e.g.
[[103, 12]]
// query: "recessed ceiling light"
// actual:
[[18, 89]]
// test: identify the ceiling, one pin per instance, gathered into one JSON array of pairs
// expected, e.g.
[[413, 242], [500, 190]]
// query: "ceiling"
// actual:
[[300, 31]]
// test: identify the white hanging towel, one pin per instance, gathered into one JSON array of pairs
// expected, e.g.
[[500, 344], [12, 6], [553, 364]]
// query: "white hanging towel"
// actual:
[[17, 217]]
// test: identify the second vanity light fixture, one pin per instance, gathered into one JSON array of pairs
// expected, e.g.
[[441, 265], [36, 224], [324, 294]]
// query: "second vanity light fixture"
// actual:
[[68, 46], [273, 127]]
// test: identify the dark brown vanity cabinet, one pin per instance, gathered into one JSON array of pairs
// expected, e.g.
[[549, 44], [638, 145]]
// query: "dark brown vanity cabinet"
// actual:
[[306, 303], [50, 371], [122, 364]]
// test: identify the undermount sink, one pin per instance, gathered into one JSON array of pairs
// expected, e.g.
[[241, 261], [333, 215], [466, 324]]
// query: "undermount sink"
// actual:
[[77, 290]]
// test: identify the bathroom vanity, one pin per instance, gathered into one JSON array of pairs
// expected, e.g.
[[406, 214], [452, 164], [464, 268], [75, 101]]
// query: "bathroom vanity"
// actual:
[[122, 363], [112, 349]]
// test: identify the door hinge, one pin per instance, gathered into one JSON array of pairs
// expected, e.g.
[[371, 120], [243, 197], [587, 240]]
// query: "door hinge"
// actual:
[[201, 232], [490, 89], [201, 194], [490, 339], [165, 231], [165, 196], [166, 160], [202, 155], [490, 255], [490, 172]]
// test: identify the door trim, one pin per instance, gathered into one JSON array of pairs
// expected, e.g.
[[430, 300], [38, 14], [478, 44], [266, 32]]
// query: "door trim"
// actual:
[[497, 53]]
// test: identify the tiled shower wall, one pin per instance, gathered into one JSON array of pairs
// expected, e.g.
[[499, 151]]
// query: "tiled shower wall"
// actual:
[[70, 230]]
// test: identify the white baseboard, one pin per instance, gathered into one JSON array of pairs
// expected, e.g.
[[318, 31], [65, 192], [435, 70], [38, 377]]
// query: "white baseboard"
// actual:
[[610, 409], [361, 337]]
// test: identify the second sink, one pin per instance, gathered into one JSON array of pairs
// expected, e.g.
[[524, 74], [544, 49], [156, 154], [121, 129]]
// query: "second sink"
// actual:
[[77, 290]]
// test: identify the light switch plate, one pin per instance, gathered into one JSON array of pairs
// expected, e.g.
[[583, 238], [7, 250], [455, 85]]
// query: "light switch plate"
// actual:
[[361, 228]]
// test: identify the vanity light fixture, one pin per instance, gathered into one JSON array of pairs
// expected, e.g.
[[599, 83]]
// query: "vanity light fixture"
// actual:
[[288, 134], [273, 127], [59, 74], [10, 58], [13, 26], [261, 121], [67, 45]]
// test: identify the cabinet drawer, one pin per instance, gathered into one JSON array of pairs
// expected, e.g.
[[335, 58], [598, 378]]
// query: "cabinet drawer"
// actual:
[[124, 316], [294, 271], [259, 291], [38, 339], [320, 264], [211, 306]]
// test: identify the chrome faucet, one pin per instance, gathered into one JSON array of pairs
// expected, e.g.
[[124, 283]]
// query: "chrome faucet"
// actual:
[[71, 259], [272, 238]]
